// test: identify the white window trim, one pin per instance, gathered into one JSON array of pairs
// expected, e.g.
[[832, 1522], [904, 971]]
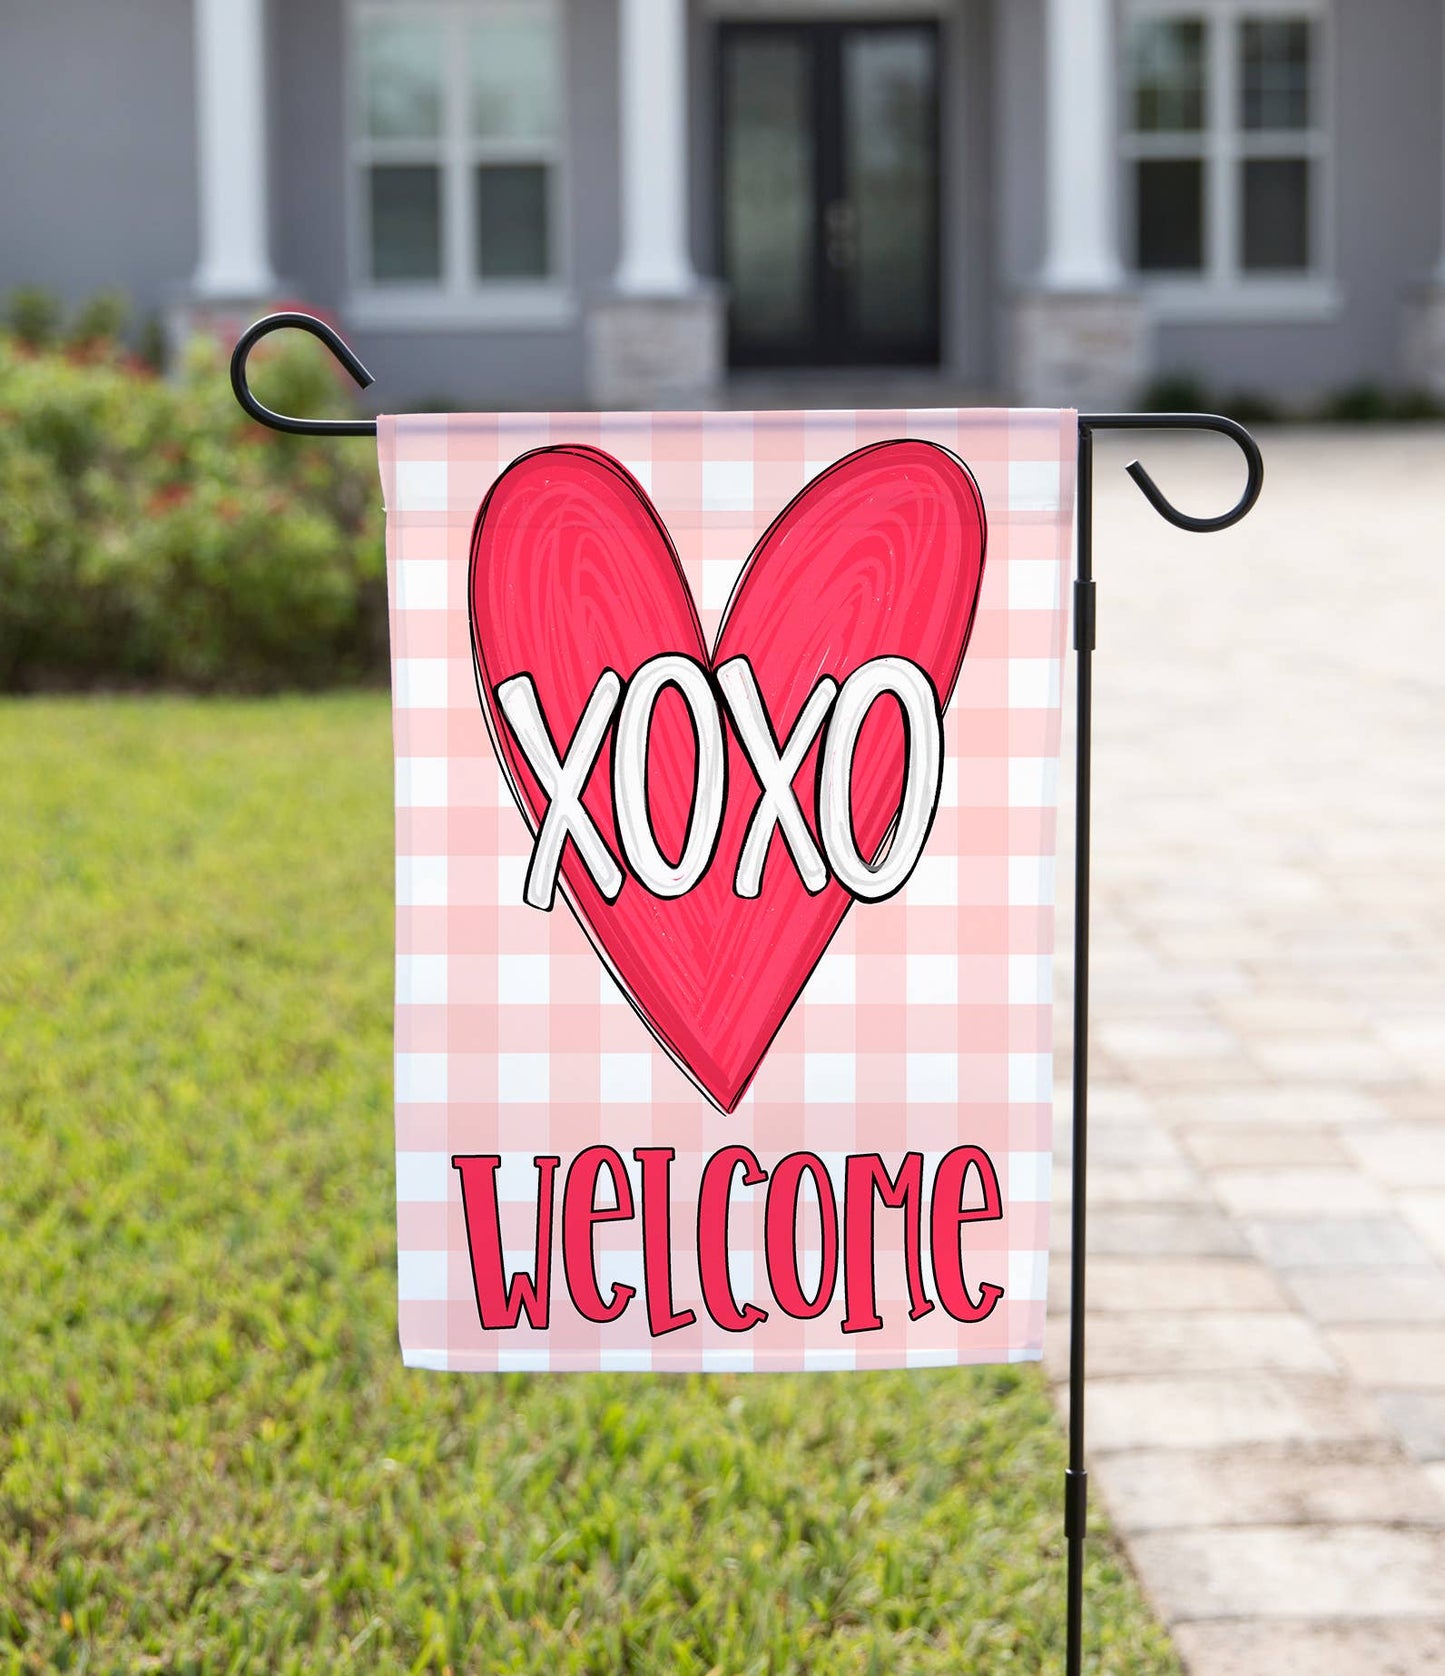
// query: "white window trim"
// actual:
[[459, 299], [1224, 291]]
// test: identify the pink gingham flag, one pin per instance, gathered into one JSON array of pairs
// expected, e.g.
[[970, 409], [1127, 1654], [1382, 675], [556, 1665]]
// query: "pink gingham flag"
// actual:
[[726, 765]]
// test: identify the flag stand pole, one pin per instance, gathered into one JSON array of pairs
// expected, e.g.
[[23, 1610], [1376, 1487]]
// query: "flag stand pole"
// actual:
[[1076, 1476]]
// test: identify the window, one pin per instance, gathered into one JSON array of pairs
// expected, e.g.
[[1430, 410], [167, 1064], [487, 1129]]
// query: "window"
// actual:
[[1225, 141], [457, 151]]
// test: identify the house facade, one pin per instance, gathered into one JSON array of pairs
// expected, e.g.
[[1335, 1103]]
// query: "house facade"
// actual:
[[550, 202]]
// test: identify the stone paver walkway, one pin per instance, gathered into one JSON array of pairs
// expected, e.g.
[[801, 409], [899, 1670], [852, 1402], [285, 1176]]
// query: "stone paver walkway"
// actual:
[[1267, 1169]]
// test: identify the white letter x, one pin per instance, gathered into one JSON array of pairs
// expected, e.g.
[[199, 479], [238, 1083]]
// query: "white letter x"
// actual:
[[563, 782], [777, 806]]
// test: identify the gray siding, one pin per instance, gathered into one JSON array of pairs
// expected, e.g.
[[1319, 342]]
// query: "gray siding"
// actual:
[[1385, 184], [1386, 164], [97, 127], [498, 367], [1018, 164], [1018, 77], [970, 115], [97, 133], [306, 90]]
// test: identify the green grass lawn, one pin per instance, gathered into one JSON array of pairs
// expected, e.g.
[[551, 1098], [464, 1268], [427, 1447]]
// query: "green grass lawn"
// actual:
[[211, 1458]]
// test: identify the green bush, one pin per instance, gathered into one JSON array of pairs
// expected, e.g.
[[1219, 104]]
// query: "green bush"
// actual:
[[150, 533], [1367, 403], [1357, 404], [1251, 407], [33, 314], [1175, 392]]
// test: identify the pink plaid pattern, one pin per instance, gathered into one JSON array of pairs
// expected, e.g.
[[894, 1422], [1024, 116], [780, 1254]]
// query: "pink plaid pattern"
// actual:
[[927, 1024]]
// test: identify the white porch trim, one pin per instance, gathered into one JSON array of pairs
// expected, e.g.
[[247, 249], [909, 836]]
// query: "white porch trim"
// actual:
[[654, 260], [230, 44], [1081, 248]]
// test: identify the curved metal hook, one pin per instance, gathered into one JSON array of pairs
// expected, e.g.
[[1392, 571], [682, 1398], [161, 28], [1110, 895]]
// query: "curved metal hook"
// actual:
[[1089, 422], [279, 421]]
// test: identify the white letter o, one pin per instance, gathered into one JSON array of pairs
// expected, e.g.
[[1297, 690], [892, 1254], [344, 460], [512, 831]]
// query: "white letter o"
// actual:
[[629, 775], [922, 777]]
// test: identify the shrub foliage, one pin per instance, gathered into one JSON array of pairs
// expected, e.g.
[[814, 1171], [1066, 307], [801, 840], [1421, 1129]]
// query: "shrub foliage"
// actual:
[[212, 1462], [150, 533]]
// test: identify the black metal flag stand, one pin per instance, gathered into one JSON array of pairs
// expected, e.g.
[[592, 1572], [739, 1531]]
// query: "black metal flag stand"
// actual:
[[1076, 1476]]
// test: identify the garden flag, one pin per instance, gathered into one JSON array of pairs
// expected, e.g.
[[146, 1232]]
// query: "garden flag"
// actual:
[[726, 760]]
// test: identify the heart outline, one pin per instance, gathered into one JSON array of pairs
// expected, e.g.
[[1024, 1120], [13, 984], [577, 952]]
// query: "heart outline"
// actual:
[[708, 658]]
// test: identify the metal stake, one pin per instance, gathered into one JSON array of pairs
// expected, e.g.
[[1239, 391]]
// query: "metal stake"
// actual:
[[1076, 1477]]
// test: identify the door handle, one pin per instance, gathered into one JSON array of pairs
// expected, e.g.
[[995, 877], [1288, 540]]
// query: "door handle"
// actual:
[[840, 221], [841, 218]]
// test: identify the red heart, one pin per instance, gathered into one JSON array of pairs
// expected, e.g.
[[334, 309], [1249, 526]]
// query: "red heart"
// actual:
[[573, 573]]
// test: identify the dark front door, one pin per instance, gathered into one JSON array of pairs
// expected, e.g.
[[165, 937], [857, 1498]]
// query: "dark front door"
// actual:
[[829, 152]]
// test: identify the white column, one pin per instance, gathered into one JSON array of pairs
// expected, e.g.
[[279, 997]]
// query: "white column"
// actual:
[[1082, 249], [231, 148], [654, 260]]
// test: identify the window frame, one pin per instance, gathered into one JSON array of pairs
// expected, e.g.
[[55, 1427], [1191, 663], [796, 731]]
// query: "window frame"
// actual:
[[460, 297], [1224, 288]]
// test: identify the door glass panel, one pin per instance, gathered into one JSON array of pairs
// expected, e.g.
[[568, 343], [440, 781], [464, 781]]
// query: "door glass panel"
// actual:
[[1166, 75], [405, 205], [511, 203], [884, 233], [512, 72], [1275, 84], [769, 163], [1169, 214], [401, 80], [1276, 214]]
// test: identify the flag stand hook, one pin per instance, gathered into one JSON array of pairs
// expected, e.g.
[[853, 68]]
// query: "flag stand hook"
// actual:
[[1076, 1475]]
